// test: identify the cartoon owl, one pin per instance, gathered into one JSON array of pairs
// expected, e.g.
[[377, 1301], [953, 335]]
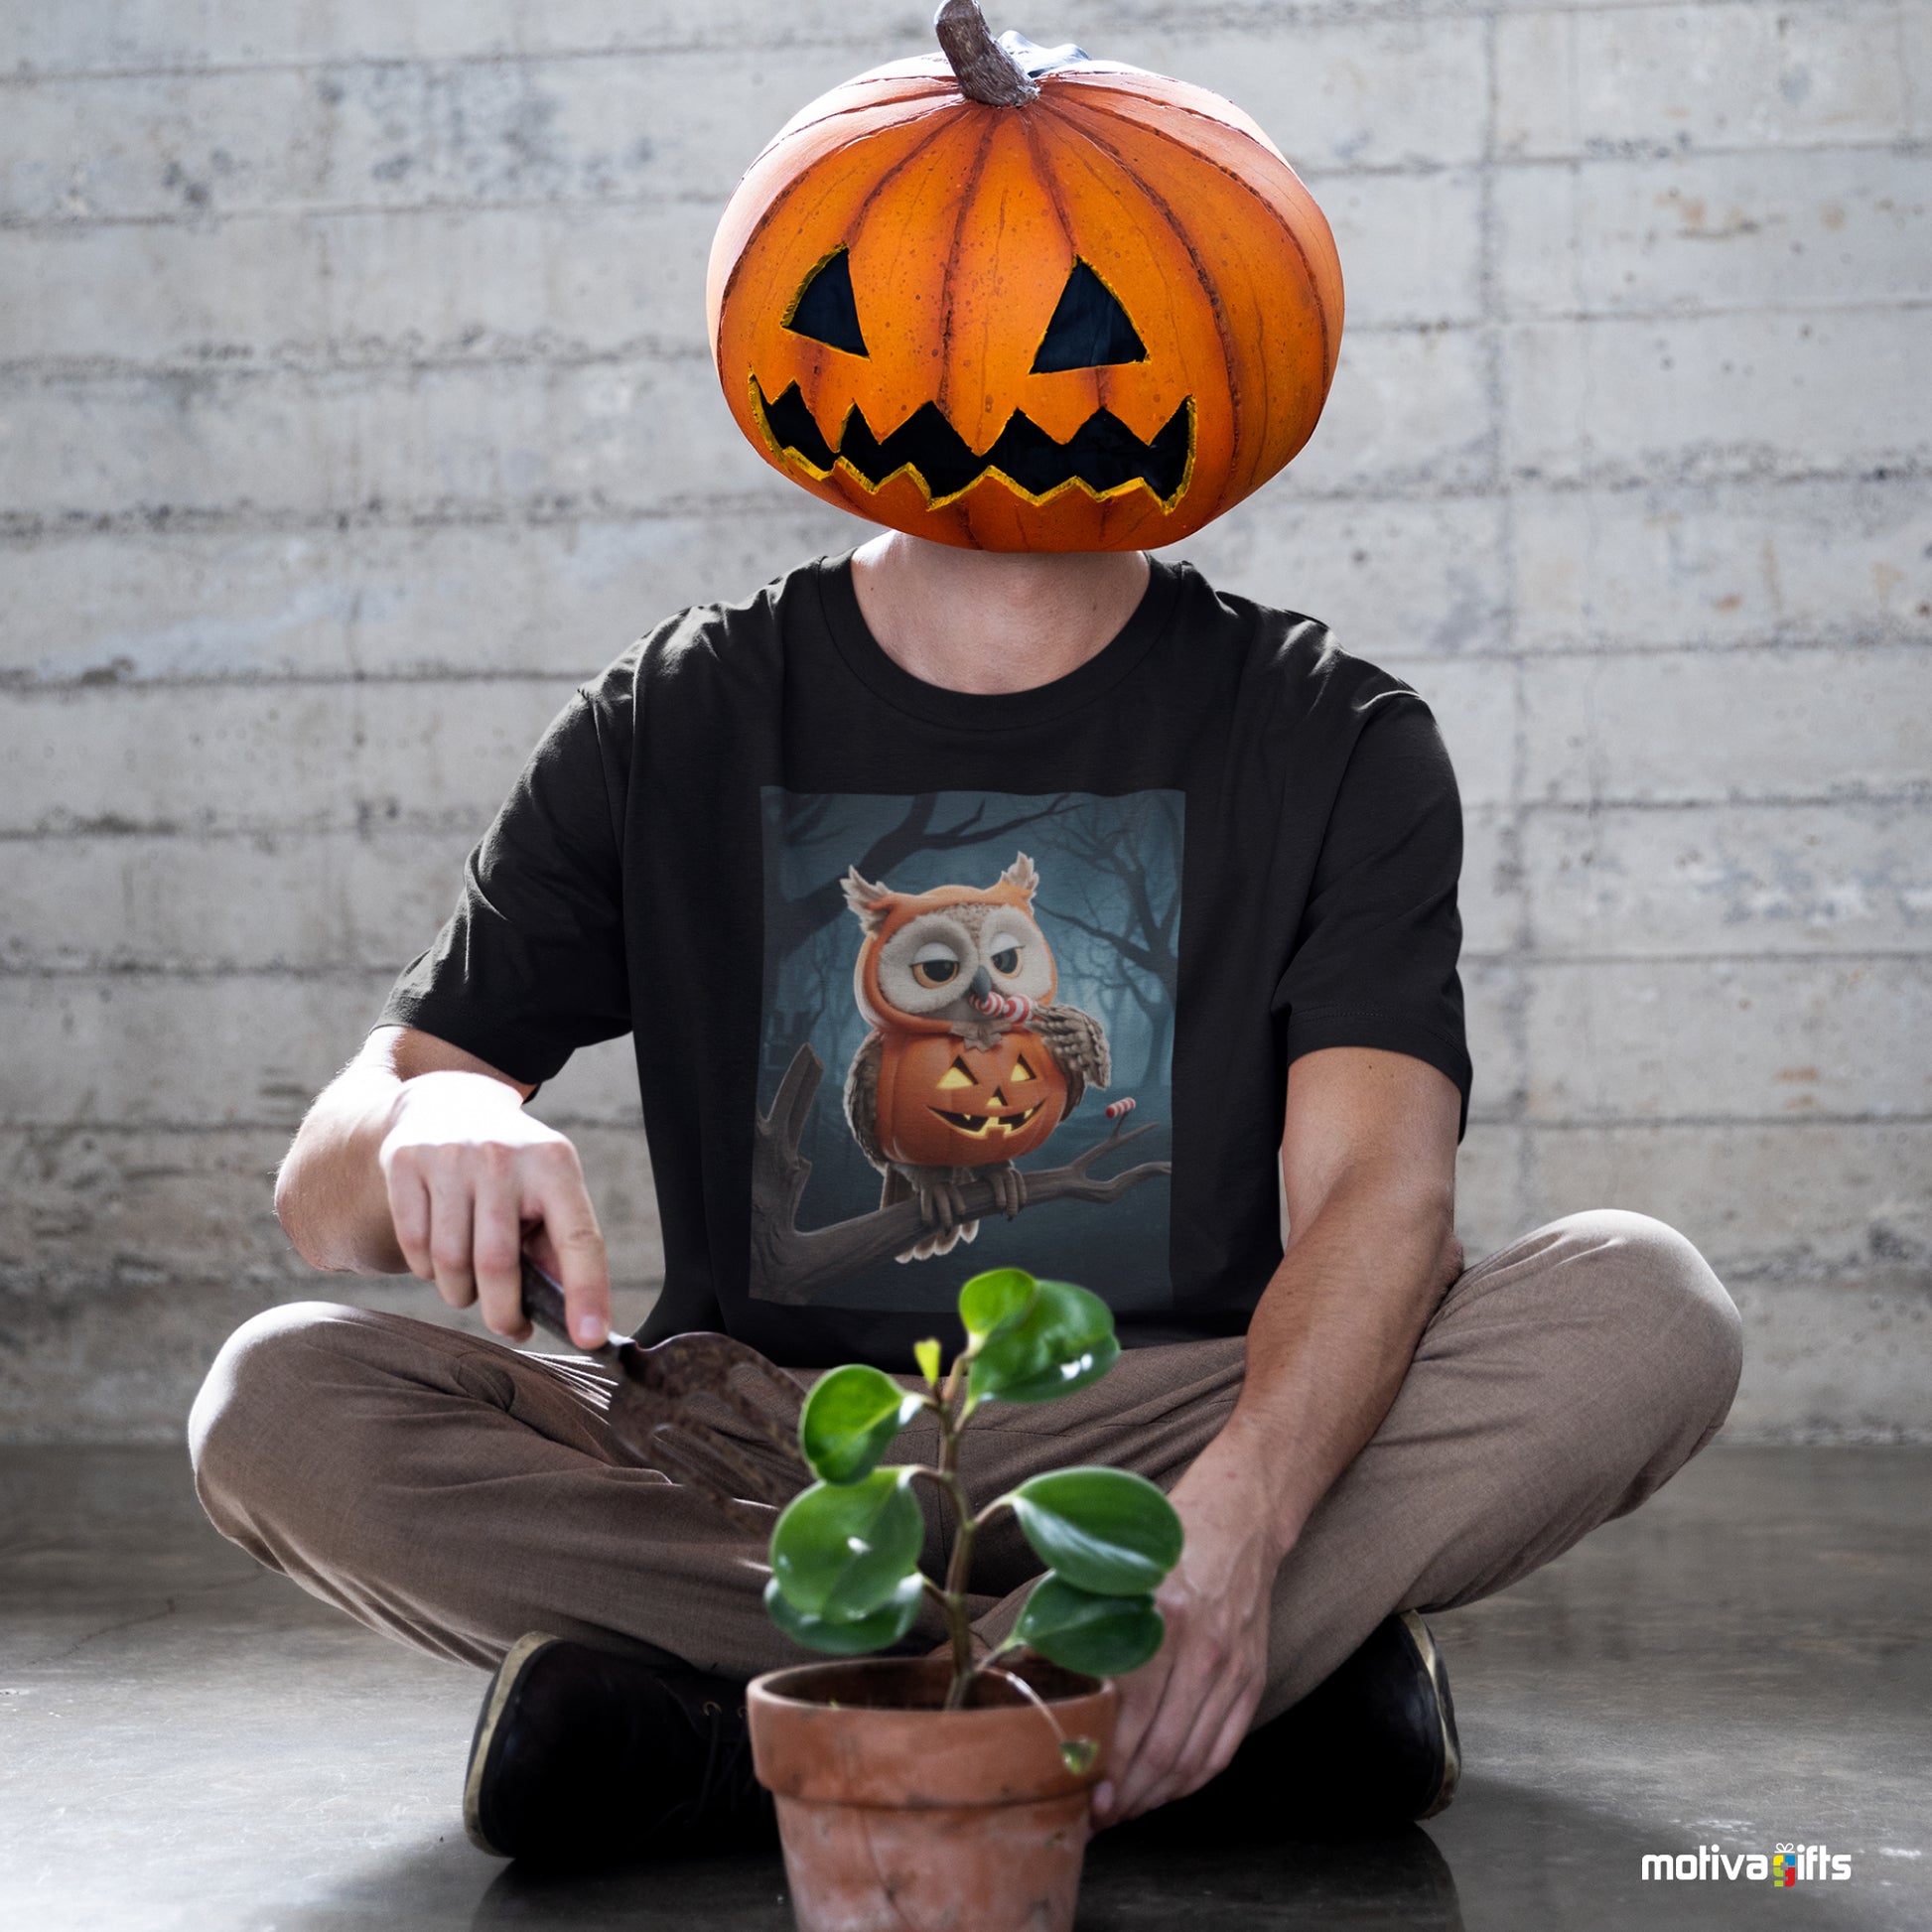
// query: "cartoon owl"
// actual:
[[970, 1062]]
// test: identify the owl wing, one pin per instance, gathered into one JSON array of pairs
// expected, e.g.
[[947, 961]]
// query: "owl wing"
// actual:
[[861, 1099], [1078, 1041]]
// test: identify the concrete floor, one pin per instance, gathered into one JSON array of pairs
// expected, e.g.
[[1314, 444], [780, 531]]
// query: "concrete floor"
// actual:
[[186, 1743]]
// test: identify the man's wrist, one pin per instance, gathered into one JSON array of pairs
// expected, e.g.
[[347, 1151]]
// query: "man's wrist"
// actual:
[[456, 1098], [1238, 1478]]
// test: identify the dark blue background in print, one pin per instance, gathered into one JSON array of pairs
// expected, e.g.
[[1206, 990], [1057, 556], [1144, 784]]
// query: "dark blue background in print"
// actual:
[[1109, 903]]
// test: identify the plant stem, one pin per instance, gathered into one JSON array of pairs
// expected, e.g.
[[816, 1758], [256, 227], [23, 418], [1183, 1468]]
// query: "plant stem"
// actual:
[[1045, 1709], [959, 1567]]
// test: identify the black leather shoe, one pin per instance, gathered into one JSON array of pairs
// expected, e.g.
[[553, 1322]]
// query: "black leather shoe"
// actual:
[[584, 1756], [1380, 1733], [1372, 1746]]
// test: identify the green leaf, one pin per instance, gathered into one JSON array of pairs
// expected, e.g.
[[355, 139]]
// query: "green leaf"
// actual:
[[841, 1550], [1102, 1635], [989, 1300], [1062, 1340], [850, 1636], [926, 1354], [1104, 1530], [849, 1422], [1078, 1753]]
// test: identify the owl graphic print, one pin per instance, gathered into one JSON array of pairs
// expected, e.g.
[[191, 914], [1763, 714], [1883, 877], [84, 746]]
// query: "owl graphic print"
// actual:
[[967, 1047]]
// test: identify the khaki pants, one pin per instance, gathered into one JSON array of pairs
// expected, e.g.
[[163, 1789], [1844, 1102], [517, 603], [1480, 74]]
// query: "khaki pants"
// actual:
[[453, 1493]]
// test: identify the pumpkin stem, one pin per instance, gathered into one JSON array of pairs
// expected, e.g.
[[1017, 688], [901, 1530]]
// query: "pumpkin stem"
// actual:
[[986, 71]]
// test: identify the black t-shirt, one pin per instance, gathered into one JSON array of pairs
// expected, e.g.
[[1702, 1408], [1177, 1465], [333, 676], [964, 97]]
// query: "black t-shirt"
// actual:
[[894, 956]]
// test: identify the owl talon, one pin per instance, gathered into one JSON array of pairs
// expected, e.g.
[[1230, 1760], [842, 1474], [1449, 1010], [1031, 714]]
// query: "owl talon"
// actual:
[[1008, 1190]]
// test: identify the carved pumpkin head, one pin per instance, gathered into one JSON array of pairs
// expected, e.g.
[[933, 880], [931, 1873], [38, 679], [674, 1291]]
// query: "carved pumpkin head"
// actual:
[[1017, 299], [943, 1103]]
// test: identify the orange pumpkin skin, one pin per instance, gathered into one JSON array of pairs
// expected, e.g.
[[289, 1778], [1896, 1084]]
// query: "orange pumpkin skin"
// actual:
[[962, 223], [1009, 1116]]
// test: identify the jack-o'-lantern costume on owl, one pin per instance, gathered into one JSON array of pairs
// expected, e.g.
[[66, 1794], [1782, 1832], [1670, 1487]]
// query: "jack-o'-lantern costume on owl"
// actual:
[[1018, 300]]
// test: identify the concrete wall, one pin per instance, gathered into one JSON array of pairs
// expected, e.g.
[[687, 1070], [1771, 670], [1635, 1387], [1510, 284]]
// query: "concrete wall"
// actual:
[[353, 401]]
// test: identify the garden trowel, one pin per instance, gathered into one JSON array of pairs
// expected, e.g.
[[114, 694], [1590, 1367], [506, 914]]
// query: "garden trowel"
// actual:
[[656, 1407]]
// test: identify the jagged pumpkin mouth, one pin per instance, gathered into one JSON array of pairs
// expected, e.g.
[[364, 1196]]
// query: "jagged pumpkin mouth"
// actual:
[[1103, 457], [980, 1126]]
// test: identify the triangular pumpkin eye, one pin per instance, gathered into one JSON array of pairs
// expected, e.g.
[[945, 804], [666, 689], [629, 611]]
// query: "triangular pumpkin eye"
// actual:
[[1089, 327], [824, 308]]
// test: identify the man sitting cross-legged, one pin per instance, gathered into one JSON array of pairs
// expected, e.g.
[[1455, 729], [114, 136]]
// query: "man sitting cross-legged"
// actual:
[[1355, 1428]]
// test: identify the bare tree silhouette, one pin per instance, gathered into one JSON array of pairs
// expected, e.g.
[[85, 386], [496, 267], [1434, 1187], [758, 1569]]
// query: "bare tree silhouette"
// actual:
[[793, 921], [1113, 848]]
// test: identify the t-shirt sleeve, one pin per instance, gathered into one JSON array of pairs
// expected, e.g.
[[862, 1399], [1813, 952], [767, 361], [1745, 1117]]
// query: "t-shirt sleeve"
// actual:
[[531, 965], [1374, 961]]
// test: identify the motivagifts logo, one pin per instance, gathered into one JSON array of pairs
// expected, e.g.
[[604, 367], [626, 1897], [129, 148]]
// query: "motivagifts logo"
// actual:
[[1787, 1867]]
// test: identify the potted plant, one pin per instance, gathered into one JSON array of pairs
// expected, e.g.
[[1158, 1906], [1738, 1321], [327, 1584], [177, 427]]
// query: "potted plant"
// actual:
[[949, 1791]]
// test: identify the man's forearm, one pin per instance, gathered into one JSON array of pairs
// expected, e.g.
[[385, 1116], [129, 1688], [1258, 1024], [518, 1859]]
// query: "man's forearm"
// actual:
[[330, 1195], [1368, 1161], [1329, 1344]]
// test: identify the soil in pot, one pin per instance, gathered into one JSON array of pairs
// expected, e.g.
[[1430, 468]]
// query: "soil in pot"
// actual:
[[899, 1816]]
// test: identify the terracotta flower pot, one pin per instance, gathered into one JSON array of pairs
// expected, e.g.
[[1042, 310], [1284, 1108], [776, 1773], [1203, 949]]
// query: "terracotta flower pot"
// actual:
[[899, 1816]]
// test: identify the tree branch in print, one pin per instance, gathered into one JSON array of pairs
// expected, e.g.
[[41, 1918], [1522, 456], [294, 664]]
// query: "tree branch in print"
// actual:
[[793, 1265]]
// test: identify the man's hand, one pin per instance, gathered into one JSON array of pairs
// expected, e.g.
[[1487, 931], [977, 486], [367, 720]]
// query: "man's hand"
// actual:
[[471, 1180], [418, 1155], [1183, 1715]]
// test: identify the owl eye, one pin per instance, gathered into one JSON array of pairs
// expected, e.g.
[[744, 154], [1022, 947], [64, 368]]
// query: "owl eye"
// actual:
[[1007, 960], [934, 964]]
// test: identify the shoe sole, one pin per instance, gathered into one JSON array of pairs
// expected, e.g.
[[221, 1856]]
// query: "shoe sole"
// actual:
[[502, 1686], [1432, 1663]]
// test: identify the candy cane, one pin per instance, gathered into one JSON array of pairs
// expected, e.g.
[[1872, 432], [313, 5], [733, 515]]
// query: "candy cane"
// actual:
[[1002, 1006], [1117, 1108]]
